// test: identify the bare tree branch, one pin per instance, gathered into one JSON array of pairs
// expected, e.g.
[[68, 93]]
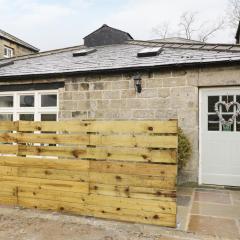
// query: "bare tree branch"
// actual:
[[190, 28], [233, 13], [208, 31], [162, 30], [187, 24]]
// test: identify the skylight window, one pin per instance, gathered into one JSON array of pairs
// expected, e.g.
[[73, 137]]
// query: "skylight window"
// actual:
[[149, 52], [84, 52]]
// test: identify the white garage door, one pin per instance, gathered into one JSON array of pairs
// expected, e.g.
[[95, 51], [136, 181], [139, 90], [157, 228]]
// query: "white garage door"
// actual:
[[219, 136]]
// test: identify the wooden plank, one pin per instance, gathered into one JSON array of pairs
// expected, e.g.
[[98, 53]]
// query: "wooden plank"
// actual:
[[8, 126], [99, 189], [106, 201], [131, 203], [40, 204], [104, 153], [8, 195], [55, 174], [82, 139], [99, 200], [81, 187], [149, 141], [132, 180], [49, 194], [8, 149], [106, 212], [9, 188], [102, 126], [47, 163], [133, 168], [8, 171], [34, 187], [133, 192], [8, 200], [129, 215]]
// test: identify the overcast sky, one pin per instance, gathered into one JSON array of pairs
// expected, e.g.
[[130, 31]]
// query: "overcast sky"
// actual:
[[50, 24]]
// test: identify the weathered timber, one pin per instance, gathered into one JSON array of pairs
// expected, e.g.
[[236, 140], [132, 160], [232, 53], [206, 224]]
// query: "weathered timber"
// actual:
[[101, 126], [122, 170], [148, 141], [122, 154], [130, 215]]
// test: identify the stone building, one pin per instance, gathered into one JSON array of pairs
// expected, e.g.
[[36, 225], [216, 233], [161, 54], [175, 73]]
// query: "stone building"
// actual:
[[138, 80], [11, 46]]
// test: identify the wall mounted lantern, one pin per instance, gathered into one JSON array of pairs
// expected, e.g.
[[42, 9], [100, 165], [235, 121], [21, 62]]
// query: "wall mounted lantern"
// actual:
[[138, 83]]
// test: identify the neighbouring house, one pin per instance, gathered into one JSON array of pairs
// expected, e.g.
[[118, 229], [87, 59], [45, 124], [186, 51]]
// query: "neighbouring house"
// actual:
[[11, 46], [121, 78]]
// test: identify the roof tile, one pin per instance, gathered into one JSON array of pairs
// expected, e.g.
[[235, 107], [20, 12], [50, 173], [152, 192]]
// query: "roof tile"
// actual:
[[116, 57]]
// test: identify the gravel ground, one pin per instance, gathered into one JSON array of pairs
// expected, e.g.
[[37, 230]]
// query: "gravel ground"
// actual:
[[23, 224]]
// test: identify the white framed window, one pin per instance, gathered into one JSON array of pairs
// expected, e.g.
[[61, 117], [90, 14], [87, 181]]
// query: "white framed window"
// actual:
[[8, 52], [214, 124], [29, 105]]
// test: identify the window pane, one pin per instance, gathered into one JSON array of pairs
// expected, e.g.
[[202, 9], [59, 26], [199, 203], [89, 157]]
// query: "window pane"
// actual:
[[27, 101], [213, 122], [211, 103], [6, 117], [238, 98], [238, 123], [26, 117], [8, 52], [48, 117], [6, 101], [227, 117], [227, 99], [238, 117], [49, 100]]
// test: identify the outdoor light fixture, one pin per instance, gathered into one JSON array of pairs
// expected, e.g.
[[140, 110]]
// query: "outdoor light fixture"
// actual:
[[138, 83]]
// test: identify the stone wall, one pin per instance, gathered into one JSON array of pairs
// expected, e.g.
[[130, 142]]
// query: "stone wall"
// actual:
[[165, 95], [18, 49]]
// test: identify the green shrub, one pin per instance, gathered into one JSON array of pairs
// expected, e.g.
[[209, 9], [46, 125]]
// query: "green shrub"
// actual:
[[184, 149]]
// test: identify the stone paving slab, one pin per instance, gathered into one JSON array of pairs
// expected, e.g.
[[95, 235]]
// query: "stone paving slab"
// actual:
[[212, 211], [217, 210], [214, 226], [213, 197]]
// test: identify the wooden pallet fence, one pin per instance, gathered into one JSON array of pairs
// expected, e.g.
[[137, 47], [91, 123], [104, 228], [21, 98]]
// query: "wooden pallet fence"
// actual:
[[121, 170]]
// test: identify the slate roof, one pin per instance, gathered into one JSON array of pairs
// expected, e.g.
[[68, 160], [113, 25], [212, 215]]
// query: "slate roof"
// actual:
[[14, 39], [118, 57]]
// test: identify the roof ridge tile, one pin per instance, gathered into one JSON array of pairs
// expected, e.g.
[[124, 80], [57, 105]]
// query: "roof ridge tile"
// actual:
[[202, 46], [12, 38]]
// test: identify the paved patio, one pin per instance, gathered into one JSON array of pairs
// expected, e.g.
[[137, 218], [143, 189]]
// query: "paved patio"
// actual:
[[209, 211]]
